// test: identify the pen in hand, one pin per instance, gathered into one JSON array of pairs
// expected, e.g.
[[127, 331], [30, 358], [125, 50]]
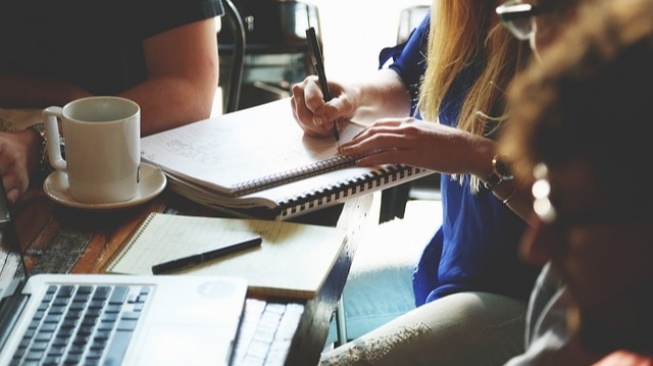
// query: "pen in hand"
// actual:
[[192, 260], [318, 64]]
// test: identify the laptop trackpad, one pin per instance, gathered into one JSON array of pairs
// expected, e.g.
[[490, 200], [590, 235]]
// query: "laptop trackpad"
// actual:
[[185, 345]]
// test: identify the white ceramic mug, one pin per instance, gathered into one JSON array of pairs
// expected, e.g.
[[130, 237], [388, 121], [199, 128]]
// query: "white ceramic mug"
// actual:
[[103, 147]]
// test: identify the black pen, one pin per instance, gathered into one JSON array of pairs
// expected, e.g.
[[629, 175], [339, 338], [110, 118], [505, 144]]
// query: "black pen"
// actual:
[[192, 260], [318, 64]]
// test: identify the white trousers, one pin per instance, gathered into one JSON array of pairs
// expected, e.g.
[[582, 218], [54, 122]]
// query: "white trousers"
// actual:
[[464, 329]]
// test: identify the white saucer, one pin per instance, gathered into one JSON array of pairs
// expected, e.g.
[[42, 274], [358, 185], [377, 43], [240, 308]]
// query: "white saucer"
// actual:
[[153, 181]]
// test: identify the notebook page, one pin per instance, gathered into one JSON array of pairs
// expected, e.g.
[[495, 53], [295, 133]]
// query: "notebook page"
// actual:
[[239, 147], [293, 260]]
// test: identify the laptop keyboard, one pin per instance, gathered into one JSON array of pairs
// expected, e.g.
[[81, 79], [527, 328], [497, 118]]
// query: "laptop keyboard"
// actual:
[[266, 332], [82, 325]]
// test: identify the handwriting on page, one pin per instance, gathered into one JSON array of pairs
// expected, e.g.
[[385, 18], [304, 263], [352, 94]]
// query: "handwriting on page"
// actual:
[[206, 149]]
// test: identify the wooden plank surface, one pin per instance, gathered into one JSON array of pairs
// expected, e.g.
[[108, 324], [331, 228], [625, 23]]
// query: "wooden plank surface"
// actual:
[[57, 239]]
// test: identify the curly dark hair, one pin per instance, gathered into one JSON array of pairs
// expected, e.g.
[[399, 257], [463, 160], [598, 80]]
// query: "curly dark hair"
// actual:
[[591, 98]]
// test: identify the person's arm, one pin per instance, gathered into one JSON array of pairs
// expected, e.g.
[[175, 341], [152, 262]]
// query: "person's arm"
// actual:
[[182, 78], [625, 358], [385, 95], [437, 147], [382, 96], [19, 159], [182, 66], [18, 91]]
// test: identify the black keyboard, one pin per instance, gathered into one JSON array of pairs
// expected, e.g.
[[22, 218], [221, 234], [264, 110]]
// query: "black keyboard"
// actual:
[[82, 325], [266, 332]]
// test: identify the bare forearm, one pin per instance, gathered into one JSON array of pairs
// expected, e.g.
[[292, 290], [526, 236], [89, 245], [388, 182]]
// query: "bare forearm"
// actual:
[[382, 96], [182, 66], [169, 102]]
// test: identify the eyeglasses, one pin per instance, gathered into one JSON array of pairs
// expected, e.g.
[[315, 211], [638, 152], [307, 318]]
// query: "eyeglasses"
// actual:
[[516, 17], [546, 211]]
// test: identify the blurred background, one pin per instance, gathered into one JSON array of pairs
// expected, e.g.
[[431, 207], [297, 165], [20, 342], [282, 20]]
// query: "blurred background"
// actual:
[[352, 33], [276, 55]]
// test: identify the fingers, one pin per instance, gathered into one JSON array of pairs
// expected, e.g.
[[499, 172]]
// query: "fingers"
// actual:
[[306, 122], [13, 187], [13, 165], [305, 100], [391, 141], [382, 134], [313, 97], [375, 143], [384, 157], [15, 177], [12, 196], [337, 108], [314, 115]]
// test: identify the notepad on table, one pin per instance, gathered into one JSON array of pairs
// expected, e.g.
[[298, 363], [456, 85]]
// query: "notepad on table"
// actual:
[[293, 260], [258, 163]]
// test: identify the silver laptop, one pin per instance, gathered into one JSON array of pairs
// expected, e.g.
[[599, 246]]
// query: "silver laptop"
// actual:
[[58, 319]]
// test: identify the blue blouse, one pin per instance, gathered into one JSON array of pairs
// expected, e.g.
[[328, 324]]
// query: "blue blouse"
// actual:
[[476, 248]]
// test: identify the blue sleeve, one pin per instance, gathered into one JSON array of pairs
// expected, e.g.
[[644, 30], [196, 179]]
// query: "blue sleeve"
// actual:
[[409, 59]]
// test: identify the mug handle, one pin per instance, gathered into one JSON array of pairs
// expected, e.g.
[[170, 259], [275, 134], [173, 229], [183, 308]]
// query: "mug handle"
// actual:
[[50, 115]]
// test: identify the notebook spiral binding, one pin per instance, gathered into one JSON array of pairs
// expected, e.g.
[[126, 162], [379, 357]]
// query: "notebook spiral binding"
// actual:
[[296, 204], [331, 195], [273, 180]]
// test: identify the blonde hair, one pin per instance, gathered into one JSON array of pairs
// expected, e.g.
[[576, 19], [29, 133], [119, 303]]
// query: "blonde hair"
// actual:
[[461, 32]]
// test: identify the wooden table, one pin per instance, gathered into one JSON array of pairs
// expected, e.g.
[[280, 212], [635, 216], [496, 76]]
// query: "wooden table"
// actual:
[[59, 239]]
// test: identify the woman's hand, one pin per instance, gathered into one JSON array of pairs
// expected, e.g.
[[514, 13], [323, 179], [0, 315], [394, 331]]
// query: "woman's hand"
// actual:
[[419, 143], [315, 116]]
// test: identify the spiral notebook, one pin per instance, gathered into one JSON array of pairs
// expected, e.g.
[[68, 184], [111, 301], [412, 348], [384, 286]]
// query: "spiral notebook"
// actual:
[[258, 163]]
